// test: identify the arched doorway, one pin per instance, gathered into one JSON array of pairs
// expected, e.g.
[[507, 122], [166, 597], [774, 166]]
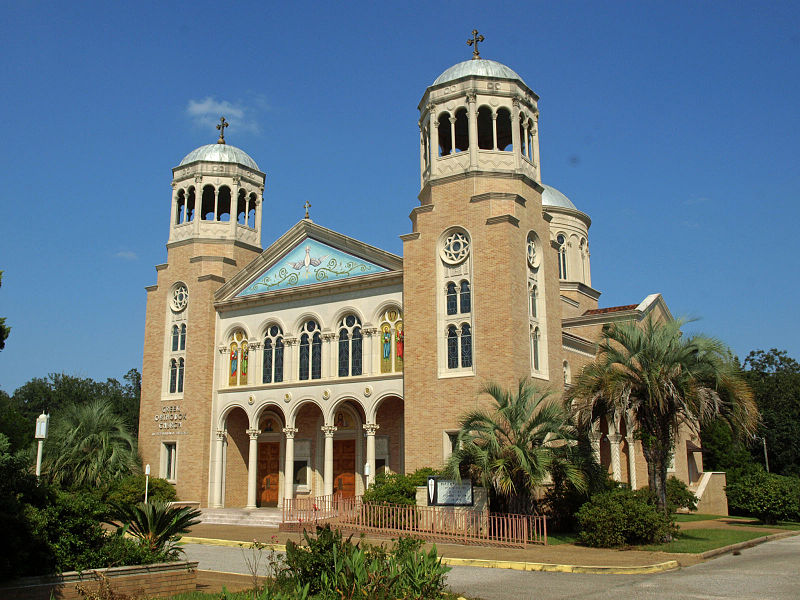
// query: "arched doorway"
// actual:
[[270, 482]]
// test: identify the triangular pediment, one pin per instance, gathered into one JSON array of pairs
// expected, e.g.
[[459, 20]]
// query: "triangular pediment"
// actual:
[[306, 255]]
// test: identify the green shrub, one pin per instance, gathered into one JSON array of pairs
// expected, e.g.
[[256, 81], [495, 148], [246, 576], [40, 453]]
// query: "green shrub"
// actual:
[[157, 525], [395, 488], [766, 496], [328, 566], [130, 490], [678, 496], [622, 517]]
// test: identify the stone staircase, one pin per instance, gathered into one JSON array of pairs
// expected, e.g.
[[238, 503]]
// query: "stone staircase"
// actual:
[[259, 517]]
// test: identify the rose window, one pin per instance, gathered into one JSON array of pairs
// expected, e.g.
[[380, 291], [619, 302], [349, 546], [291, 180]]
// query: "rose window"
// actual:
[[455, 249], [180, 296]]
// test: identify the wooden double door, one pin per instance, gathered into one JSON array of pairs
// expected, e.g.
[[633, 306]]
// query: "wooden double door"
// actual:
[[344, 467], [269, 455]]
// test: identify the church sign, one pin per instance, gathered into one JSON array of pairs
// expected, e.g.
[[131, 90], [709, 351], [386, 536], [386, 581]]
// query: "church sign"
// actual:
[[170, 418], [447, 492]]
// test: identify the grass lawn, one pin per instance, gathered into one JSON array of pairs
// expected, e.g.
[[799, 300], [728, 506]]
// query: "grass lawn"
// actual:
[[748, 521], [554, 539], [694, 541], [688, 518]]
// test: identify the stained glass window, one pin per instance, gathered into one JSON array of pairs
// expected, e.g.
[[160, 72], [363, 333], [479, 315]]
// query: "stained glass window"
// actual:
[[466, 346], [344, 353], [175, 338], [466, 301], [183, 337], [273, 355], [173, 376], [304, 357], [316, 356], [452, 300], [452, 348], [279, 360], [180, 375], [356, 358], [267, 371], [535, 343]]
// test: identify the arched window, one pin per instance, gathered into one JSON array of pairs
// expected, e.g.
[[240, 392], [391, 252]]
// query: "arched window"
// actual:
[[504, 129], [452, 347], [466, 345], [251, 211], [175, 338], [535, 348], [462, 130], [562, 256], [241, 207], [485, 128], [180, 375], [173, 376], [190, 205], [310, 351], [567, 374], [392, 342], [180, 208], [452, 299], [445, 139], [350, 347], [208, 203], [466, 300], [183, 337], [534, 291], [272, 371], [238, 359], [224, 203], [585, 261]]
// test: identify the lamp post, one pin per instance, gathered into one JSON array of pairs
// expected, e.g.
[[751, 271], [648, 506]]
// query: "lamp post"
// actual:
[[764, 442], [42, 422], [146, 481]]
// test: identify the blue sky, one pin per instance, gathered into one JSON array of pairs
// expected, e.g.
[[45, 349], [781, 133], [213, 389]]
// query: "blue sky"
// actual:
[[674, 125]]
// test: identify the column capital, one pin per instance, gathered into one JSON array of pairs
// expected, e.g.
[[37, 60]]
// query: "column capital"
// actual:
[[614, 438], [289, 431], [253, 433], [329, 430], [221, 433], [472, 97], [595, 436], [371, 428]]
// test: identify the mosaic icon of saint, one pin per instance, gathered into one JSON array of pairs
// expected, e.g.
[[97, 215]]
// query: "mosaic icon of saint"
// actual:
[[387, 342], [244, 360], [234, 361], [400, 340]]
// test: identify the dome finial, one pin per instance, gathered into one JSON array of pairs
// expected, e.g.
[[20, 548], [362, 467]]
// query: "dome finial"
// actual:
[[307, 205], [475, 39], [222, 125]]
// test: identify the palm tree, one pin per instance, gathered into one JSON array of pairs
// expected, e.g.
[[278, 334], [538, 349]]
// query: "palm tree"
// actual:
[[157, 525], [89, 444], [662, 380], [512, 448]]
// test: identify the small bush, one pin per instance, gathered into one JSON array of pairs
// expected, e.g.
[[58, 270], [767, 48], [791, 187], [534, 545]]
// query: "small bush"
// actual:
[[766, 496], [130, 490], [622, 517], [678, 496], [395, 488]]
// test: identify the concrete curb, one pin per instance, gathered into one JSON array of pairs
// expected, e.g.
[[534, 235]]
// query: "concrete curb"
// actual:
[[747, 544], [514, 565]]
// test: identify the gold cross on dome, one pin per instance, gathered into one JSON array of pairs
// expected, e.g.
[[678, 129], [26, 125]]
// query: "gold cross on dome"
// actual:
[[222, 125], [307, 205], [475, 39]]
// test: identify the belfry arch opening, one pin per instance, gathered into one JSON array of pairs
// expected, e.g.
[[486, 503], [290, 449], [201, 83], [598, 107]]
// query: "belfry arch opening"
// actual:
[[445, 139], [462, 130], [207, 203], [241, 207], [504, 130], [224, 203], [485, 128]]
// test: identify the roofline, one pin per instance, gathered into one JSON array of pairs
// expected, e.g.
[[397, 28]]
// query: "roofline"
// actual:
[[637, 314]]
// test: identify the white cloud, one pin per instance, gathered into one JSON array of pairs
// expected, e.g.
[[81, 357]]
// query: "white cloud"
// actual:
[[206, 113], [126, 255]]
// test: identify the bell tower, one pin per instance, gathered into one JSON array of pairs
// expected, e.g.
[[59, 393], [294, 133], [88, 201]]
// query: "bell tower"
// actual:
[[480, 277], [214, 231]]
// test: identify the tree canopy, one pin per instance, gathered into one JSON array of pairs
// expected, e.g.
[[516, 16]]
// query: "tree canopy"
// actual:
[[4, 329], [663, 380]]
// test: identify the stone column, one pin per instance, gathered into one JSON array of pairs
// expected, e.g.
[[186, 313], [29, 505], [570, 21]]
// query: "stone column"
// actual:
[[535, 154], [371, 428], [252, 468], [198, 203], [434, 134], [516, 142], [366, 352], [220, 448], [288, 471], [594, 438], [328, 430], [494, 130], [290, 372], [473, 129], [631, 461], [616, 468]]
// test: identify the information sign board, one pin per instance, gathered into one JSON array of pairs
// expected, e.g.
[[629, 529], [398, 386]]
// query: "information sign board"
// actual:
[[447, 492]]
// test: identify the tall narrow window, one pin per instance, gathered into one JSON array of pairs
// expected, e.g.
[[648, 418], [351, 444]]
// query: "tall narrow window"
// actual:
[[180, 375], [562, 256], [272, 370], [238, 363], [445, 139], [485, 128], [466, 303], [452, 347], [392, 341], [535, 348], [310, 351], [183, 337], [173, 376], [466, 346], [170, 461], [534, 301], [175, 338], [462, 130], [304, 353], [452, 299], [350, 347], [503, 125], [316, 356]]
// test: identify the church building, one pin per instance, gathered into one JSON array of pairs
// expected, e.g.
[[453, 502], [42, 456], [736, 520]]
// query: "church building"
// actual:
[[306, 367]]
